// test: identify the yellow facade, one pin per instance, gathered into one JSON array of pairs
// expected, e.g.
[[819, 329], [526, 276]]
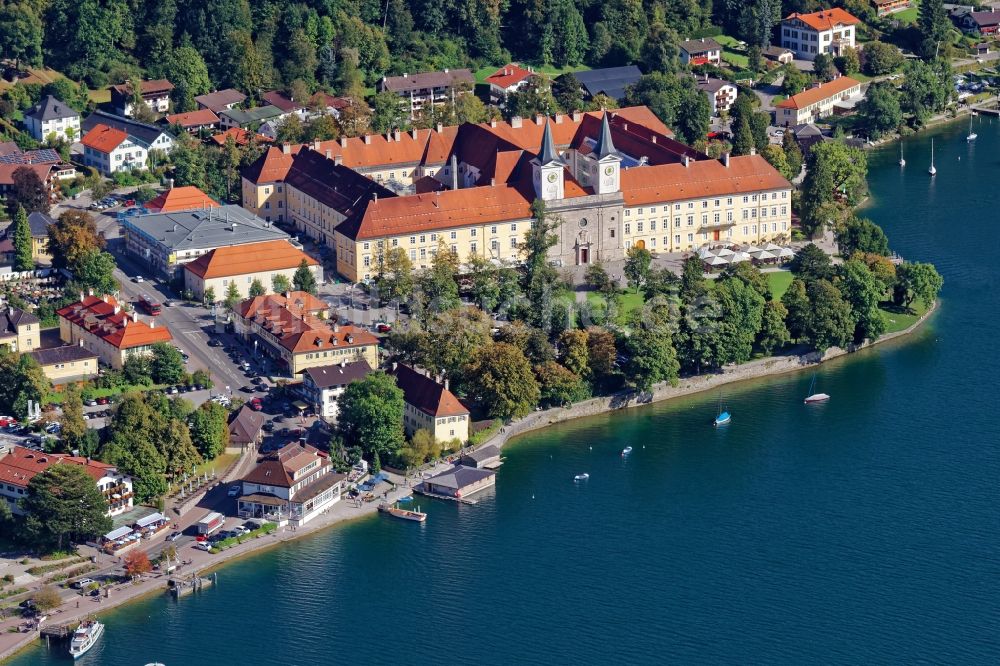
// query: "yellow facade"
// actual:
[[199, 286], [108, 354], [28, 338], [57, 373], [444, 428], [301, 361]]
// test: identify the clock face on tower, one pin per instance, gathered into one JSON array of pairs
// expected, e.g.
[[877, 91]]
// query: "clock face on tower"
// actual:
[[608, 170], [552, 177]]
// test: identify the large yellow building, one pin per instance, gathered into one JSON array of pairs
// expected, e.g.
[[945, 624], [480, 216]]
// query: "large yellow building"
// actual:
[[612, 182], [102, 327], [294, 329], [20, 331], [429, 405]]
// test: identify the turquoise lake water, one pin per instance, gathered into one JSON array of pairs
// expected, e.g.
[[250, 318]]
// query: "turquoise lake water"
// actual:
[[864, 530]]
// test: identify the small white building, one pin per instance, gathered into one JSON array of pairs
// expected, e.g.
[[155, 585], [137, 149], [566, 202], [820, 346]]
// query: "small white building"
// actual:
[[291, 486], [111, 150], [52, 118], [721, 94], [321, 386], [815, 103], [827, 31], [506, 80], [704, 51]]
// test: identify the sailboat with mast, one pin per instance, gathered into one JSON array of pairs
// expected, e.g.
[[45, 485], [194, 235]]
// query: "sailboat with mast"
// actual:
[[724, 417], [972, 135], [902, 162], [813, 398], [932, 170]]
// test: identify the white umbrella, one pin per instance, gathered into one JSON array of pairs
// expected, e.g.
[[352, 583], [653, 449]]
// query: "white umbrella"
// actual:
[[739, 257], [771, 247], [785, 253], [762, 255], [715, 261], [751, 249], [724, 252], [704, 251]]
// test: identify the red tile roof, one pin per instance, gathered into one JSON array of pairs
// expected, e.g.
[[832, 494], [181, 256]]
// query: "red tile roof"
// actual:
[[18, 467], [104, 139], [279, 468], [293, 321], [819, 93], [426, 394], [246, 259], [104, 319], [508, 75], [709, 178], [280, 100], [825, 19], [194, 118], [7, 172], [240, 136], [186, 197]]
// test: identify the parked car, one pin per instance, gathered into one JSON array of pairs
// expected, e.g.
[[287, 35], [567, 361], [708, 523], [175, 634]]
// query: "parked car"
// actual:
[[102, 401], [138, 279], [215, 342], [234, 491], [91, 403], [82, 583], [383, 327], [199, 387], [202, 545], [173, 536], [239, 530]]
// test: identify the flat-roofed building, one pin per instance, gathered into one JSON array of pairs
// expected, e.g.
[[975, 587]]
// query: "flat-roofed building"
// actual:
[[167, 241], [240, 265]]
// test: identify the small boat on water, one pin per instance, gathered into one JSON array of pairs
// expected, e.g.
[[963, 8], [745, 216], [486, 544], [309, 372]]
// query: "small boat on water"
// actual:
[[84, 638], [581, 477], [723, 417], [933, 169], [813, 398], [405, 514], [902, 162], [627, 450], [972, 135]]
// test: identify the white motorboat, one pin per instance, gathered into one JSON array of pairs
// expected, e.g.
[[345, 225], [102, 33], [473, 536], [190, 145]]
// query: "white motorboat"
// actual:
[[627, 450], [902, 162], [84, 638], [581, 477], [813, 398]]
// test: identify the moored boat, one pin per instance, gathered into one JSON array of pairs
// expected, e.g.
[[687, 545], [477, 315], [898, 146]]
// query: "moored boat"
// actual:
[[722, 419], [405, 514], [84, 638], [813, 398], [627, 450], [581, 477]]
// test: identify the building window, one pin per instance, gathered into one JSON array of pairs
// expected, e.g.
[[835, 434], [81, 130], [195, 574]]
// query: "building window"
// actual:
[[423, 239], [690, 220], [472, 248], [493, 230], [628, 228], [612, 233], [395, 242], [413, 240], [639, 227], [690, 237], [513, 243], [366, 246], [628, 213], [513, 227], [434, 238], [454, 235], [472, 232]]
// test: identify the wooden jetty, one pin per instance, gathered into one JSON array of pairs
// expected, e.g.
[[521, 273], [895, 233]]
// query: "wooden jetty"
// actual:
[[463, 500], [182, 587]]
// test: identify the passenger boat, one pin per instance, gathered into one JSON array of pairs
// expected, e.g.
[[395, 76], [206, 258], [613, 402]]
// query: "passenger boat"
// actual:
[[813, 398], [627, 450], [581, 477], [84, 638], [405, 514]]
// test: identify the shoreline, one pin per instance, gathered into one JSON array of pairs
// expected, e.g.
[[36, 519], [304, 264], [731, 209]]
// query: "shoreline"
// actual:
[[343, 512], [763, 367], [932, 123]]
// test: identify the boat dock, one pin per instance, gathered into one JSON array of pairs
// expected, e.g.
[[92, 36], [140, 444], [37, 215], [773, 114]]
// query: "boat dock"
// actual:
[[992, 110], [58, 631], [427, 493], [182, 587]]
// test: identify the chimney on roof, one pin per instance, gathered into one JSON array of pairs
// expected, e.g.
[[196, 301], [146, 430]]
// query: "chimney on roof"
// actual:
[[753, 150], [685, 159], [343, 363], [394, 366], [413, 133], [625, 127], [152, 323], [328, 153], [653, 138], [454, 172], [338, 160], [170, 183], [82, 296], [286, 149], [493, 122], [343, 142], [315, 145], [539, 119], [336, 327], [559, 118], [445, 70], [117, 309], [388, 137], [577, 116], [725, 160], [447, 382], [515, 122], [135, 316], [493, 182], [440, 127], [81, 342], [368, 140]]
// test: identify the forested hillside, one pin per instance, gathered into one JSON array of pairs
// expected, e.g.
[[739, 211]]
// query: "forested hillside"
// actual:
[[347, 44]]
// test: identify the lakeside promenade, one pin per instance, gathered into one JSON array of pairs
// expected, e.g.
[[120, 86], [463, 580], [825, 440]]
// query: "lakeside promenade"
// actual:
[[201, 562]]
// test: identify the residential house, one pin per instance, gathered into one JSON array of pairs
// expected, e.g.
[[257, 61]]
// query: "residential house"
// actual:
[[39, 224], [249, 118], [609, 81], [195, 122], [704, 51], [167, 241], [827, 31], [460, 482], [327, 104], [721, 94], [174, 199], [886, 7], [428, 89], [20, 465], [240, 136], [102, 327], [220, 100], [7, 253], [508, 79], [282, 101], [111, 150], [52, 118], [294, 330], [67, 364], [20, 331], [151, 137], [980, 23], [47, 173], [241, 265], [246, 430], [815, 103], [156, 95], [291, 486], [429, 405], [779, 55], [322, 385], [807, 135]]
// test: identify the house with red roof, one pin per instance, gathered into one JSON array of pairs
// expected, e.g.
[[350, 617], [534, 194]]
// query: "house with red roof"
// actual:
[[827, 31], [104, 328], [194, 121], [21, 464], [291, 486], [816, 102], [186, 197], [506, 80], [294, 329], [110, 150], [430, 405], [241, 265]]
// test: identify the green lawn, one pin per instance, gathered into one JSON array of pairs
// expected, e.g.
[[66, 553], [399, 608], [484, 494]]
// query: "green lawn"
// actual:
[[777, 99], [779, 282], [219, 465], [907, 15], [549, 70], [630, 301], [732, 52], [896, 320]]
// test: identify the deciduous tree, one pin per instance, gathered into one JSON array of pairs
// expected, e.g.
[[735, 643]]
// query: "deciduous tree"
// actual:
[[136, 563], [74, 426], [773, 331], [862, 291], [64, 507], [637, 263], [257, 288], [500, 378], [167, 364], [559, 385], [28, 191], [370, 415], [915, 281], [210, 429], [830, 321]]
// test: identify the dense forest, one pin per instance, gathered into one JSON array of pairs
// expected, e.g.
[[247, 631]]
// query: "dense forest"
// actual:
[[344, 44]]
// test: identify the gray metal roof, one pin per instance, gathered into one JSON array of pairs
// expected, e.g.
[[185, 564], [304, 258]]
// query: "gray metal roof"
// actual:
[[459, 477], [255, 115], [39, 223], [50, 108], [484, 453], [610, 80], [209, 228], [326, 376], [220, 99], [145, 132]]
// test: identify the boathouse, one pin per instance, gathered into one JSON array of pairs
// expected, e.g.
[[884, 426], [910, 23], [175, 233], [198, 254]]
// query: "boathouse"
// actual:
[[460, 482], [486, 457]]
